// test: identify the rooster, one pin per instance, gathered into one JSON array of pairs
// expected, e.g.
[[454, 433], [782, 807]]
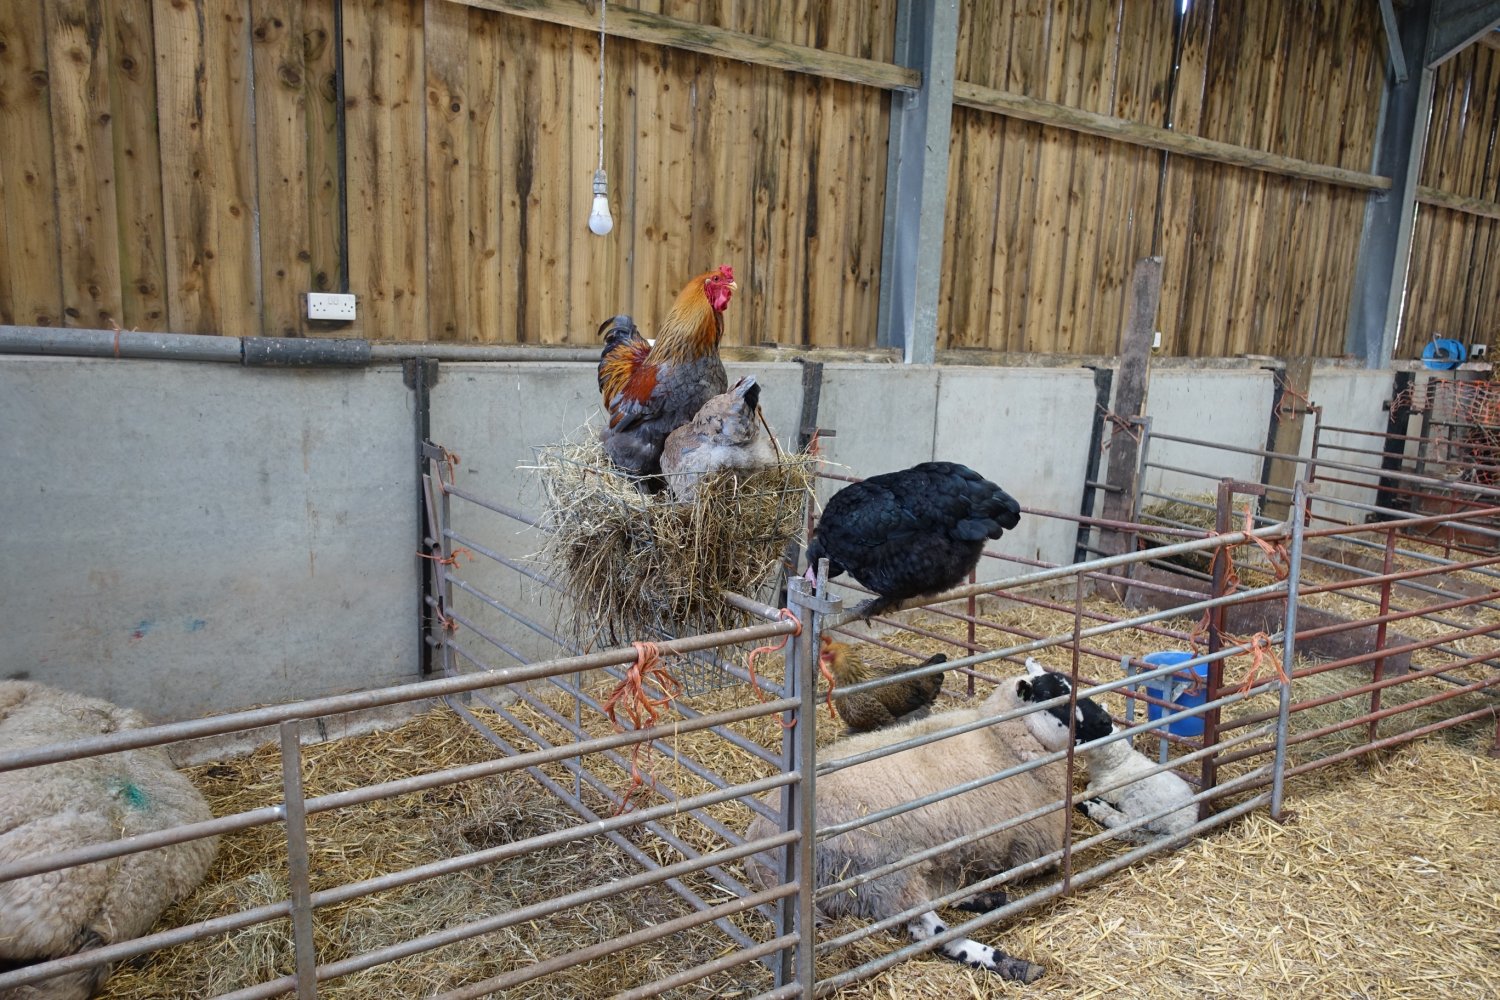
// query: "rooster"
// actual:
[[910, 533], [651, 390], [726, 433], [882, 706]]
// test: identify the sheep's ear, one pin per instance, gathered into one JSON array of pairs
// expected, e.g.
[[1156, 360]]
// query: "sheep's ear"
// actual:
[[1034, 668], [1023, 690]]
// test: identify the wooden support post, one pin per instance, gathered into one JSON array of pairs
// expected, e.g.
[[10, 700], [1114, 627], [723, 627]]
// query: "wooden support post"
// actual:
[[1285, 435], [1130, 399]]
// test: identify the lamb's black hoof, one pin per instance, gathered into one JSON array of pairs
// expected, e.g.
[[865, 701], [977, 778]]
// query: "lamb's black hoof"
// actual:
[[1019, 970]]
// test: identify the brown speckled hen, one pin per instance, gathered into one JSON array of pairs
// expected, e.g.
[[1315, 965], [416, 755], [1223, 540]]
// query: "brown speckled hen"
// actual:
[[882, 706]]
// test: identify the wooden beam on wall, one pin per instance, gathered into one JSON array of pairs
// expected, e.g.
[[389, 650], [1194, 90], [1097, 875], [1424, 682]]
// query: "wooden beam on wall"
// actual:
[[644, 26], [1076, 120], [1458, 203]]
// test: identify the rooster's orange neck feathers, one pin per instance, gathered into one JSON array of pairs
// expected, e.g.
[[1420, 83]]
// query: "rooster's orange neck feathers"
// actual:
[[691, 327]]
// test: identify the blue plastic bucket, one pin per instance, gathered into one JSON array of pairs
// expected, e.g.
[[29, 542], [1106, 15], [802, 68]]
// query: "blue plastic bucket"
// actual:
[[1176, 688]]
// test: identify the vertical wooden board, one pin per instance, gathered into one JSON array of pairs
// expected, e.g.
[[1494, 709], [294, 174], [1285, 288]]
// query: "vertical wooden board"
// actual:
[[648, 220], [848, 30], [1010, 142], [449, 257], [279, 54], [488, 319], [1024, 140], [326, 236], [961, 322], [386, 164], [1189, 98], [1091, 217], [552, 189], [1249, 270], [1045, 323], [519, 109], [88, 231], [1026, 65], [1089, 29], [789, 222], [593, 272], [203, 86], [723, 192], [770, 160], [871, 138], [29, 212], [825, 204], [809, 199], [1195, 246], [1349, 216], [137, 166], [708, 160]]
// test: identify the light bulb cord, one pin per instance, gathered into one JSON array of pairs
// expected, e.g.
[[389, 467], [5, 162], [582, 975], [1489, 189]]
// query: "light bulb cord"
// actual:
[[600, 173]]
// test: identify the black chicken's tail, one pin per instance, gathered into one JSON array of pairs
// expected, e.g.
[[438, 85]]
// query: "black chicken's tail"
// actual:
[[991, 513]]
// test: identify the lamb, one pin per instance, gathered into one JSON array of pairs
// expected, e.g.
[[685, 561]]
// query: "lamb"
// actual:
[[874, 785], [78, 803], [1112, 763]]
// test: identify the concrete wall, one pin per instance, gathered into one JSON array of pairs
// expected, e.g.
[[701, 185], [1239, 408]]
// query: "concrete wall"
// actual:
[[1353, 399], [188, 538], [1224, 407], [1231, 409]]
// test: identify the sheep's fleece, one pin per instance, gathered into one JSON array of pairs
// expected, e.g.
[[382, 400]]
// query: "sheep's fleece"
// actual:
[[77, 803]]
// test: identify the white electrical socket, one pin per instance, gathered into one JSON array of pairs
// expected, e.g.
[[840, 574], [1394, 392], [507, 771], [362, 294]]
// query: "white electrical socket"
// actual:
[[1478, 350], [330, 305]]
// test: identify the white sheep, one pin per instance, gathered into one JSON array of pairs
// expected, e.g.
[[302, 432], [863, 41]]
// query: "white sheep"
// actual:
[[874, 785], [1108, 764], [77, 803]]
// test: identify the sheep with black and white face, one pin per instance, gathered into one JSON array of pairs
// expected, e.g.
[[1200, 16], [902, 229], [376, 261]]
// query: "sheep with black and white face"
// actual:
[[859, 790]]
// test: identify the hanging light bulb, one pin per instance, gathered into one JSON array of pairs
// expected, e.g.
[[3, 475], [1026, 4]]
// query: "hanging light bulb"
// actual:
[[600, 221]]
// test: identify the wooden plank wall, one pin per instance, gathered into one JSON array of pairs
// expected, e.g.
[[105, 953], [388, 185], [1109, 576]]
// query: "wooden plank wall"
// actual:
[[178, 165], [1045, 224], [471, 143], [1257, 263], [1454, 286]]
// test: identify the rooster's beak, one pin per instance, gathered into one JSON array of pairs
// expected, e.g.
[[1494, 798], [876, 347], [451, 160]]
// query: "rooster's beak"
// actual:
[[733, 285]]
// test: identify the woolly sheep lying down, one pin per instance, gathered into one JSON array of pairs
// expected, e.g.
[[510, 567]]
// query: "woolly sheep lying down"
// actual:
[[77, 803], [1163, 795], [910, 774]]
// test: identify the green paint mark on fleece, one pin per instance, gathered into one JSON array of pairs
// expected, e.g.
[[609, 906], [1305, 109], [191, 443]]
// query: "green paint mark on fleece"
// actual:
[[134, 797]]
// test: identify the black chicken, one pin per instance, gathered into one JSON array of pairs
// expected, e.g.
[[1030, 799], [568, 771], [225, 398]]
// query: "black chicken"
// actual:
[[910, 533]]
